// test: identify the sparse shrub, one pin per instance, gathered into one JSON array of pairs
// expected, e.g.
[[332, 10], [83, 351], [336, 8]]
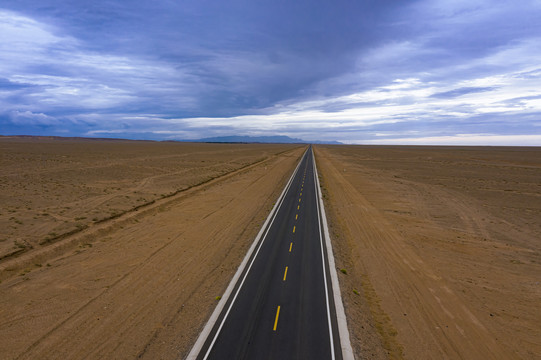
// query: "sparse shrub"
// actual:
[[20, 245], [24, 272], [344, 271]]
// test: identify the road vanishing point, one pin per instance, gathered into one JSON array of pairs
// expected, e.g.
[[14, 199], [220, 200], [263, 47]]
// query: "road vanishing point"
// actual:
[[284, 299]]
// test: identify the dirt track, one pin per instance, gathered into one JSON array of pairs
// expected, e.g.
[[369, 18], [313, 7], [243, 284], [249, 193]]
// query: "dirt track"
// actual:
[[442, 247], [143, 284]]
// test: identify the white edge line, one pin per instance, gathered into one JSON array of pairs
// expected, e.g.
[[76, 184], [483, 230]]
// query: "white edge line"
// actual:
[[331, 338], [196, 349], [347, 351]]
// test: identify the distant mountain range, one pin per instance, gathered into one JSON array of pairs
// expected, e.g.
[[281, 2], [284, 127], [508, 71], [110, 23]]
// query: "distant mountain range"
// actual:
[[278, 139]]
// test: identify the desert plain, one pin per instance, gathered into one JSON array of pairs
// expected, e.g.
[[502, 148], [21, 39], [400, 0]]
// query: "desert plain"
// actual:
[[126, 244], [121, 249], [442, 248]]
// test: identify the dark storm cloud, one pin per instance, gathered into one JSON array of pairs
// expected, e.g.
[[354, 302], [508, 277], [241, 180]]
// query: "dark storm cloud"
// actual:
[[187, 68]]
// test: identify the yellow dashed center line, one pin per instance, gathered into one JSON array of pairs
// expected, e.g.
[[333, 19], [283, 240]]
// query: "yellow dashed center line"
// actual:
[[299, 200], [293, 229], [276, 319], [298, 206], [285, 274], [296, 216], [290, 247]]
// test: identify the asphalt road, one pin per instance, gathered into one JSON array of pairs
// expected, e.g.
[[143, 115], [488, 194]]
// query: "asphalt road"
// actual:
[[282, 306]]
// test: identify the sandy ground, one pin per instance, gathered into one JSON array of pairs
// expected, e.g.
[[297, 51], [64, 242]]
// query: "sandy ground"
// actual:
[[53, 187], [114, 249], [441, 249], [143, 283]]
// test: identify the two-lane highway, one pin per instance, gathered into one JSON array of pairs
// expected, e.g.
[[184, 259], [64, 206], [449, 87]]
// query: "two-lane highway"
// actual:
[[281, 305]]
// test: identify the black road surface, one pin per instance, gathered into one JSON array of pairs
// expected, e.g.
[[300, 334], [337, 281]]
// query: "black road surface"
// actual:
[[282, 306]]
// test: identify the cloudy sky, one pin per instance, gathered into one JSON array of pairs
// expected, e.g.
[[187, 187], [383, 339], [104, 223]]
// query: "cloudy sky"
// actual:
[[357, 71]]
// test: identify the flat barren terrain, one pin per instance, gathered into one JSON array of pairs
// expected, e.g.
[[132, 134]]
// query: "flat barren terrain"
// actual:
[[118, 249], [440, 248], [53, 187]]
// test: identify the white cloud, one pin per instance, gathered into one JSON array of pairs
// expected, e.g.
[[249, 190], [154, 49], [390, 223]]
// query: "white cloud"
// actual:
[[506, 91], [459, 139], [393, 53], [406, 101], [67, 76], [30, 118], [23, 36]]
